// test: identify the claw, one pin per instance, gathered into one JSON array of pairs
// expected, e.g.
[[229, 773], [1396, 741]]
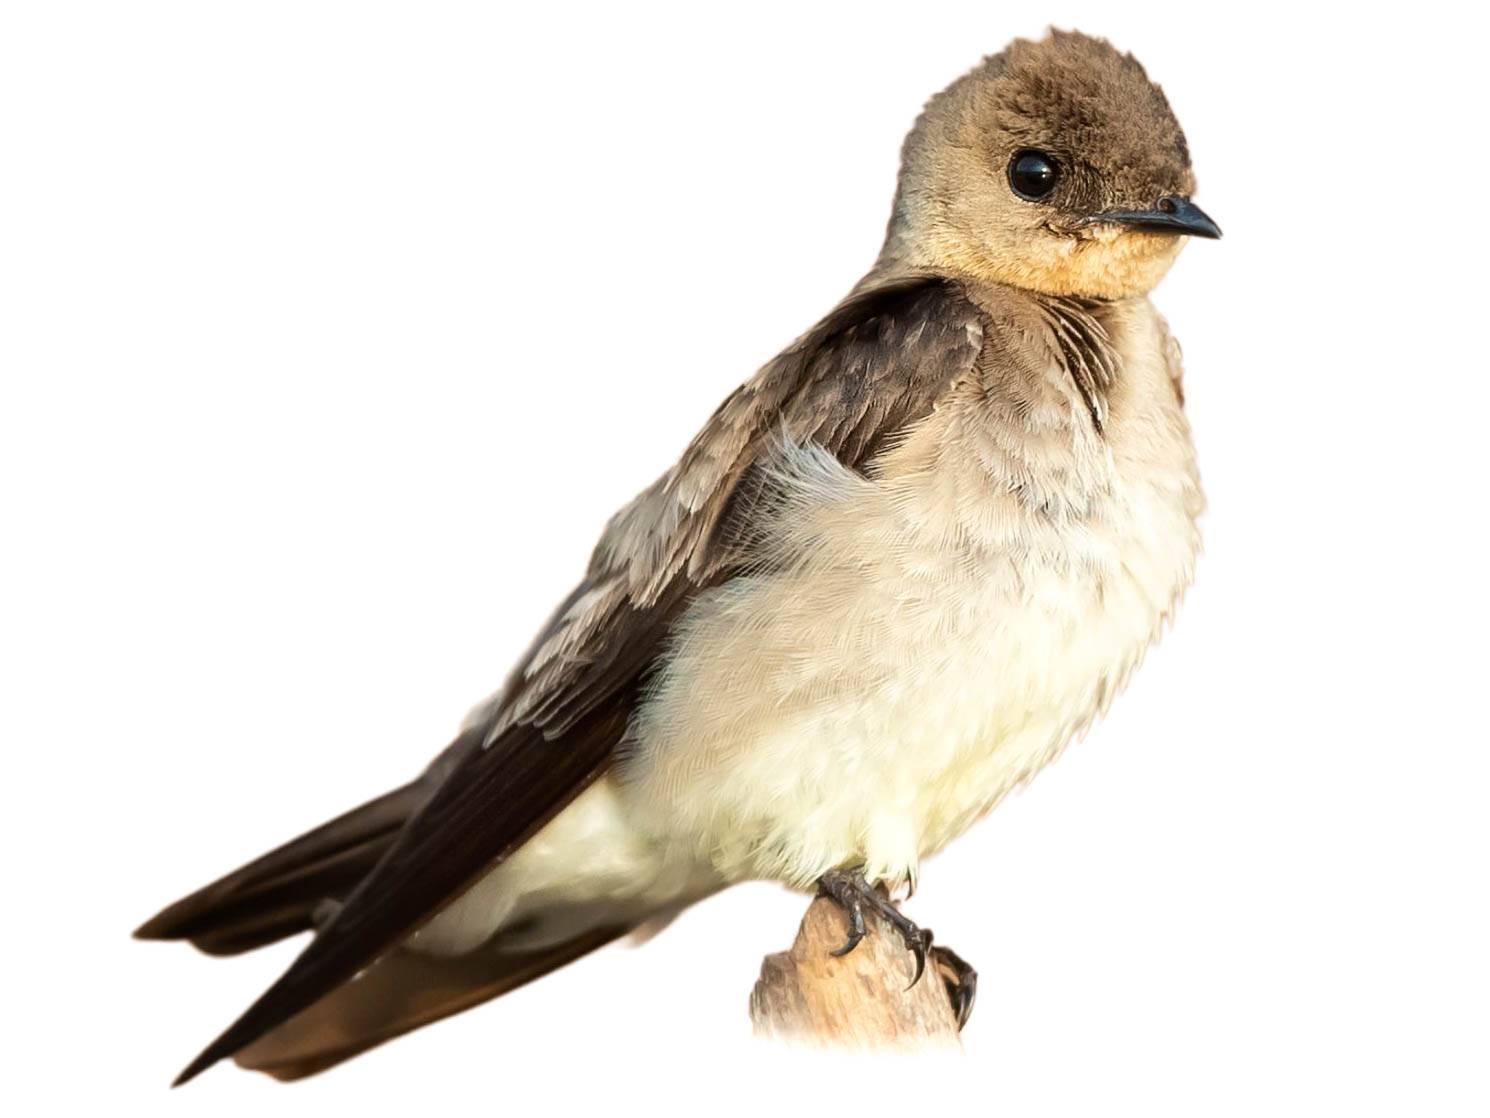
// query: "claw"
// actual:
[[855, 914], [961, 982], [840, 887], [848, 945], [918, 943]]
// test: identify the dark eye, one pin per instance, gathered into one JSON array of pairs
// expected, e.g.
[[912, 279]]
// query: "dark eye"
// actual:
[[1032, 174]]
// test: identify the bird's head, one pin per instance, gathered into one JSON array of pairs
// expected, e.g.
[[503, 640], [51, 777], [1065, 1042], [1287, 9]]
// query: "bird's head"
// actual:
[[1055, 166]]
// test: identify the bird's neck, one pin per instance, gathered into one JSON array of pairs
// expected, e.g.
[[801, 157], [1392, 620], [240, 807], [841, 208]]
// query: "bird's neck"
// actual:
[[1074, 334], [1081, 342], [1070, 343]]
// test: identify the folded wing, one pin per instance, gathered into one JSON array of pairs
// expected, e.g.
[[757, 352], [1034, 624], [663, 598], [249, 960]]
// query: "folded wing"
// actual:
[[872, 368]]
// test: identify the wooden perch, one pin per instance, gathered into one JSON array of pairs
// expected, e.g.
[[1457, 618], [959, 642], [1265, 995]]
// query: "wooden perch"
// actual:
[[860, 1000]]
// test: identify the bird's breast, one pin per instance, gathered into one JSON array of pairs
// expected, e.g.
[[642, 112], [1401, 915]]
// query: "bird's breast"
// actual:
[[922, 640]]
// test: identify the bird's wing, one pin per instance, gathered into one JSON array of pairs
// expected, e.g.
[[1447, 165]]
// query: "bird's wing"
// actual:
[[874, 366]]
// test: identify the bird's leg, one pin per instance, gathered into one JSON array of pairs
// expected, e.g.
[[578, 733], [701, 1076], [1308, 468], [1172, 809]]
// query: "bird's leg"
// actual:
[[852, 893], [960, 980]]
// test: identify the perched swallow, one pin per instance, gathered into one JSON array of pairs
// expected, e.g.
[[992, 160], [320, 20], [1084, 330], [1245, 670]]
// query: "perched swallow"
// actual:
[[895, 573]]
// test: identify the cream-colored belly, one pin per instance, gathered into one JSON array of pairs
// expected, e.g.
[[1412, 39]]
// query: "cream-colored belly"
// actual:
[[926, 644], [925, 640]]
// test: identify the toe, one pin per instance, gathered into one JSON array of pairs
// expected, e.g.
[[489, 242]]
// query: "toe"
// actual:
[[919, 943]]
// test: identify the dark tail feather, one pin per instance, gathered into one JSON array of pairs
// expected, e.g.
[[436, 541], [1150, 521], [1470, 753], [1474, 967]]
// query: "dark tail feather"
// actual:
[[277, 895], [401, 992]]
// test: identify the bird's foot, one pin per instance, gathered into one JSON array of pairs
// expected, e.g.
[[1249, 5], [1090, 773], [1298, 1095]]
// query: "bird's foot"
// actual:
[[852, 893]]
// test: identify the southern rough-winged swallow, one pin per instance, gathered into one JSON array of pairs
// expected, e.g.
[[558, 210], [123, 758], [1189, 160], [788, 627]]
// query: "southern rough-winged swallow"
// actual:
[[895, 573]]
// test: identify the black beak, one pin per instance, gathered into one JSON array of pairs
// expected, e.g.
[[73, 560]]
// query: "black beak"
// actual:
[[1173, 214]]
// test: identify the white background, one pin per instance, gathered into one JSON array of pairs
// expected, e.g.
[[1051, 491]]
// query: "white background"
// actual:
[[332, 333]]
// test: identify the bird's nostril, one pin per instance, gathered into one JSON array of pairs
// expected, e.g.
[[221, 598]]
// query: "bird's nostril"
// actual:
[[1166, 205]]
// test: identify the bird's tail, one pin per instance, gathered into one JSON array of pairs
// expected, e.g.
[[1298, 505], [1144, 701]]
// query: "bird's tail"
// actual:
[[278, 894], [403, 991]]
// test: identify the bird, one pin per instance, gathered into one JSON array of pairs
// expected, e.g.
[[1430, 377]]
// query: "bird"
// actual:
[[895, 573]]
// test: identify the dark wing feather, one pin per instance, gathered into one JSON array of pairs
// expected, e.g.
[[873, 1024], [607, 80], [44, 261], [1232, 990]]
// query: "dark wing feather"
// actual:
[[276, 895], [282, 892], [874, 366]]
